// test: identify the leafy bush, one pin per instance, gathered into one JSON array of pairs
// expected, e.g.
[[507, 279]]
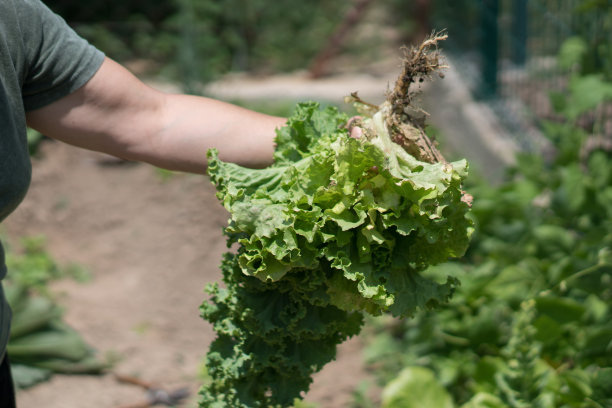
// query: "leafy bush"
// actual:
[[98, 11], [40, 343], [591, 25], [195, 41]]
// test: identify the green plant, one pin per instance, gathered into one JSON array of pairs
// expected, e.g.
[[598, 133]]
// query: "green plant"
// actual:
[[33, 267], [336, 227], [196, 41], [40, 342], [34, 139], [591, 24], [252, 36]]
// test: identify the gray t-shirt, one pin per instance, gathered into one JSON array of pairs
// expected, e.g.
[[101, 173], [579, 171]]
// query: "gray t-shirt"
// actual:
[[41, 60]]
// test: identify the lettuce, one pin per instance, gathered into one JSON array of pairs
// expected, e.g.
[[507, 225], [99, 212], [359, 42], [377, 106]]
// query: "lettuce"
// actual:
[[365, 211], [336, 227]]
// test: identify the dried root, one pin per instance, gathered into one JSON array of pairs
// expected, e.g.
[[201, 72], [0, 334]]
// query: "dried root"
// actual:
[[406, 121]]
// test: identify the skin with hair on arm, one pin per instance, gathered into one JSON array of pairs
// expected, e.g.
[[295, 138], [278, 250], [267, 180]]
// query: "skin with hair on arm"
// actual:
[[117, 114]]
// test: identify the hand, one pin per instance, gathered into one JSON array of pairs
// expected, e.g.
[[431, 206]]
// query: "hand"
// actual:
[[354, 127]]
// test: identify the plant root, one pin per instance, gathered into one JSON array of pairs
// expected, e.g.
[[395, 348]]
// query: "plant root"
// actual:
[[406, 121]]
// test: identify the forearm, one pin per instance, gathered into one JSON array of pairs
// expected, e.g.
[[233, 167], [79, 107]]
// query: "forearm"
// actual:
[[192, 125], [117, 114]]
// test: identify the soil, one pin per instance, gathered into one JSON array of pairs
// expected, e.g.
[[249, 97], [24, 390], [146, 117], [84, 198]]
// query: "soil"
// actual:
[[150, 244]]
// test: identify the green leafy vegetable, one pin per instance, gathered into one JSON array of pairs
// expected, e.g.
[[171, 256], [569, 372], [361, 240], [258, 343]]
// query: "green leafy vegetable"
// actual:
[[337, 226]]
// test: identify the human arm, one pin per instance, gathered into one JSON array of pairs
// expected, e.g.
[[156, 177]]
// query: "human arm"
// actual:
[[115, 113]]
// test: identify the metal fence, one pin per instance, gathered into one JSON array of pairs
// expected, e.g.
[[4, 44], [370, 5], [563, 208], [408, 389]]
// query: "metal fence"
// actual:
[[507, 50]]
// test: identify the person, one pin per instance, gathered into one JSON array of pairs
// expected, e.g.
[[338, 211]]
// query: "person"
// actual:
[[53, 81]]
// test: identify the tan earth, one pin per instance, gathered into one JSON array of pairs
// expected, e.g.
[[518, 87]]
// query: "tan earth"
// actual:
[[150, 244]]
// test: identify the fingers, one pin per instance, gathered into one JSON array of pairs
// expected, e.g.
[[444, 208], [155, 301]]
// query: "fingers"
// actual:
[[353, 127]]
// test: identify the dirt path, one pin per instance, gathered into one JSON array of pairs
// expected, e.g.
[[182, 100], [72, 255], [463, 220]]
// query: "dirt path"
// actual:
[[150, 246], [298, 87]]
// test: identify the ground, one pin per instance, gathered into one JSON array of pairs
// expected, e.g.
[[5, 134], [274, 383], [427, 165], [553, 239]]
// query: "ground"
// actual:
[[150, 244]]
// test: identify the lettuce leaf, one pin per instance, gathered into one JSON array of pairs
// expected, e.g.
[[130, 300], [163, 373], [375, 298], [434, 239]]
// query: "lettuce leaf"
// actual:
[[336, 227], [364, 210]]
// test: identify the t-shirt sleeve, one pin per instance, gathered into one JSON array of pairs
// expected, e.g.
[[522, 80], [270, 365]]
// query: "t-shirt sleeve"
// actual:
[[58, 61]]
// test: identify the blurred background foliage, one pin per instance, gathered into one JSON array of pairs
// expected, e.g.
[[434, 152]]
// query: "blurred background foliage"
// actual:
[[198, 40]]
